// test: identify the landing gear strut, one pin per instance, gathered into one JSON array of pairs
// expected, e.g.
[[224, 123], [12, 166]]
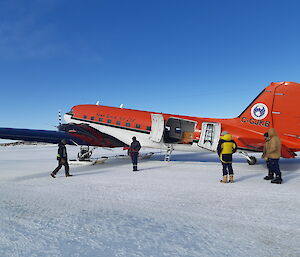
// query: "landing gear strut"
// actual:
[[85, 153], [84, 156], [250, 159]]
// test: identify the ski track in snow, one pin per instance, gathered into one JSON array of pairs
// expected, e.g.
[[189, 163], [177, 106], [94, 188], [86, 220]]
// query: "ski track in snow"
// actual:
[[165, 209]]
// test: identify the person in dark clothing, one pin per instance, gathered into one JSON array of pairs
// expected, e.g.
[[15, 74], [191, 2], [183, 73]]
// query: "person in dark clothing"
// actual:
[[226, 147], [134, 149], [270, 175], [273, 154], [62, 158]]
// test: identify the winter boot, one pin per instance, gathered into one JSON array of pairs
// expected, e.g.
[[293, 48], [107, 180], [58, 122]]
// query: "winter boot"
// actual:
[[277, 180], [52, 175], [231, 178], [68, 175], [270, 176], [225, 179], [135, 168]]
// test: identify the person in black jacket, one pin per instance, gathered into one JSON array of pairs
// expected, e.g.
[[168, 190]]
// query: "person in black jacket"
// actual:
[[134, 152], [62, 158]]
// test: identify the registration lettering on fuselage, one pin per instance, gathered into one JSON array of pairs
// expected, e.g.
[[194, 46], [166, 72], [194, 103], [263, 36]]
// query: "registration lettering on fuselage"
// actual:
[[252, 121]]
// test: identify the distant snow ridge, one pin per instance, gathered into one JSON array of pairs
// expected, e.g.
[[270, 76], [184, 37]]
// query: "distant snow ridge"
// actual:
[[22, 143]]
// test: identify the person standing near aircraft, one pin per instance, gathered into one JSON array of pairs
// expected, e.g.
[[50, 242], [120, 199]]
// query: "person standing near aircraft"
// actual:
[[134, 149], [270, 175], [273, 153], [226, 148], [62, 158]]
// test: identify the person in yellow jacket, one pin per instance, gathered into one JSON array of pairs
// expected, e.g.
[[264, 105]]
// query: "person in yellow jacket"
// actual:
[[272, 153], [226, 148]]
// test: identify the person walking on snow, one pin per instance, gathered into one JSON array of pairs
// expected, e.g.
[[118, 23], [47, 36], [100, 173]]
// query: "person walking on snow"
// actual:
[[62, 158], [226, 147], [272, 154], [134, 149]]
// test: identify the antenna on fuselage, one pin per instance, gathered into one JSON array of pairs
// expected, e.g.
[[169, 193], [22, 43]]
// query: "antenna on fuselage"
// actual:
[[97, 103], [121, 106]]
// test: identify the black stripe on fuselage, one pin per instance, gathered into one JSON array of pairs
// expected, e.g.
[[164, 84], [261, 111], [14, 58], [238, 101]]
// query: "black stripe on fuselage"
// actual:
[[112, 125], [249, 150]]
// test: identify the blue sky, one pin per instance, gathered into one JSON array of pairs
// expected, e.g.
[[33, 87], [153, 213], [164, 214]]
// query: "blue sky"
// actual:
[[198, 58]]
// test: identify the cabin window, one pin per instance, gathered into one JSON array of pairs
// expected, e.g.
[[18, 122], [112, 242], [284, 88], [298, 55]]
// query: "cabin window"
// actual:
[[100, 119], [84, 116], [92, 118], [149, 128], [108, 121], [138, 126], [127, 124], [118, 122]]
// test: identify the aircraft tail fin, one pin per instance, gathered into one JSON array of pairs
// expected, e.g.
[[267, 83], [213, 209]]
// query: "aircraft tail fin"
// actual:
[[277, 106], [259, 112]]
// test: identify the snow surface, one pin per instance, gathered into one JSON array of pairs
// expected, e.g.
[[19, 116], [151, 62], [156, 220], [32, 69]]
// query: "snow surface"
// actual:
[[166, 209]]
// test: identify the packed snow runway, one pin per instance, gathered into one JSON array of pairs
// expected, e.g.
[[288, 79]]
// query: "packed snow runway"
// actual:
[[166, 209]]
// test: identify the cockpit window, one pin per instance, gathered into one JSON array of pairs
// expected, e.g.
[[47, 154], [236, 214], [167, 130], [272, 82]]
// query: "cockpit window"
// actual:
[[71, 112]]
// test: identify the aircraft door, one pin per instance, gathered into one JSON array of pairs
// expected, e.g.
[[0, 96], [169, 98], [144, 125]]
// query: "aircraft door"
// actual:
[[210, 135], [179, 131], [157, 127]]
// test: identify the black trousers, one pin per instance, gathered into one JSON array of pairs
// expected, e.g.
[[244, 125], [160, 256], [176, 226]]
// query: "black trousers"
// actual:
[[274, 166], [227, 168], [134, 158], [62, 162]]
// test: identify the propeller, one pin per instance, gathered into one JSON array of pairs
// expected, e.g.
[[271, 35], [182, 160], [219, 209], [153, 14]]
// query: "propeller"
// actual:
[[59, 117]]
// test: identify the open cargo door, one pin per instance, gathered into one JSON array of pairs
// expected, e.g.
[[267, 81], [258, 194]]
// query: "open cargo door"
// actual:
[[210, 135], [157, 127], [179, 131]]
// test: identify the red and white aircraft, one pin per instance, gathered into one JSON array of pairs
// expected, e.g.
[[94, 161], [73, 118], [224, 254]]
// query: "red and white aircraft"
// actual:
[[277, 106]]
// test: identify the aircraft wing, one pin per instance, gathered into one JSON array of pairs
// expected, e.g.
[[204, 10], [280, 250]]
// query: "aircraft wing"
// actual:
[[90, 136], [76, 134]]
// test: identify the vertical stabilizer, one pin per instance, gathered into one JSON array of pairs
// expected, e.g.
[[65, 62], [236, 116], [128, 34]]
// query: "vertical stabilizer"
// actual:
[[286, 109], [277, 106]]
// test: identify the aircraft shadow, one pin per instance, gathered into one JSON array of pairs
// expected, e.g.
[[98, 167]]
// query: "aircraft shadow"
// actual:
[[99, 168], [197, 157]]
